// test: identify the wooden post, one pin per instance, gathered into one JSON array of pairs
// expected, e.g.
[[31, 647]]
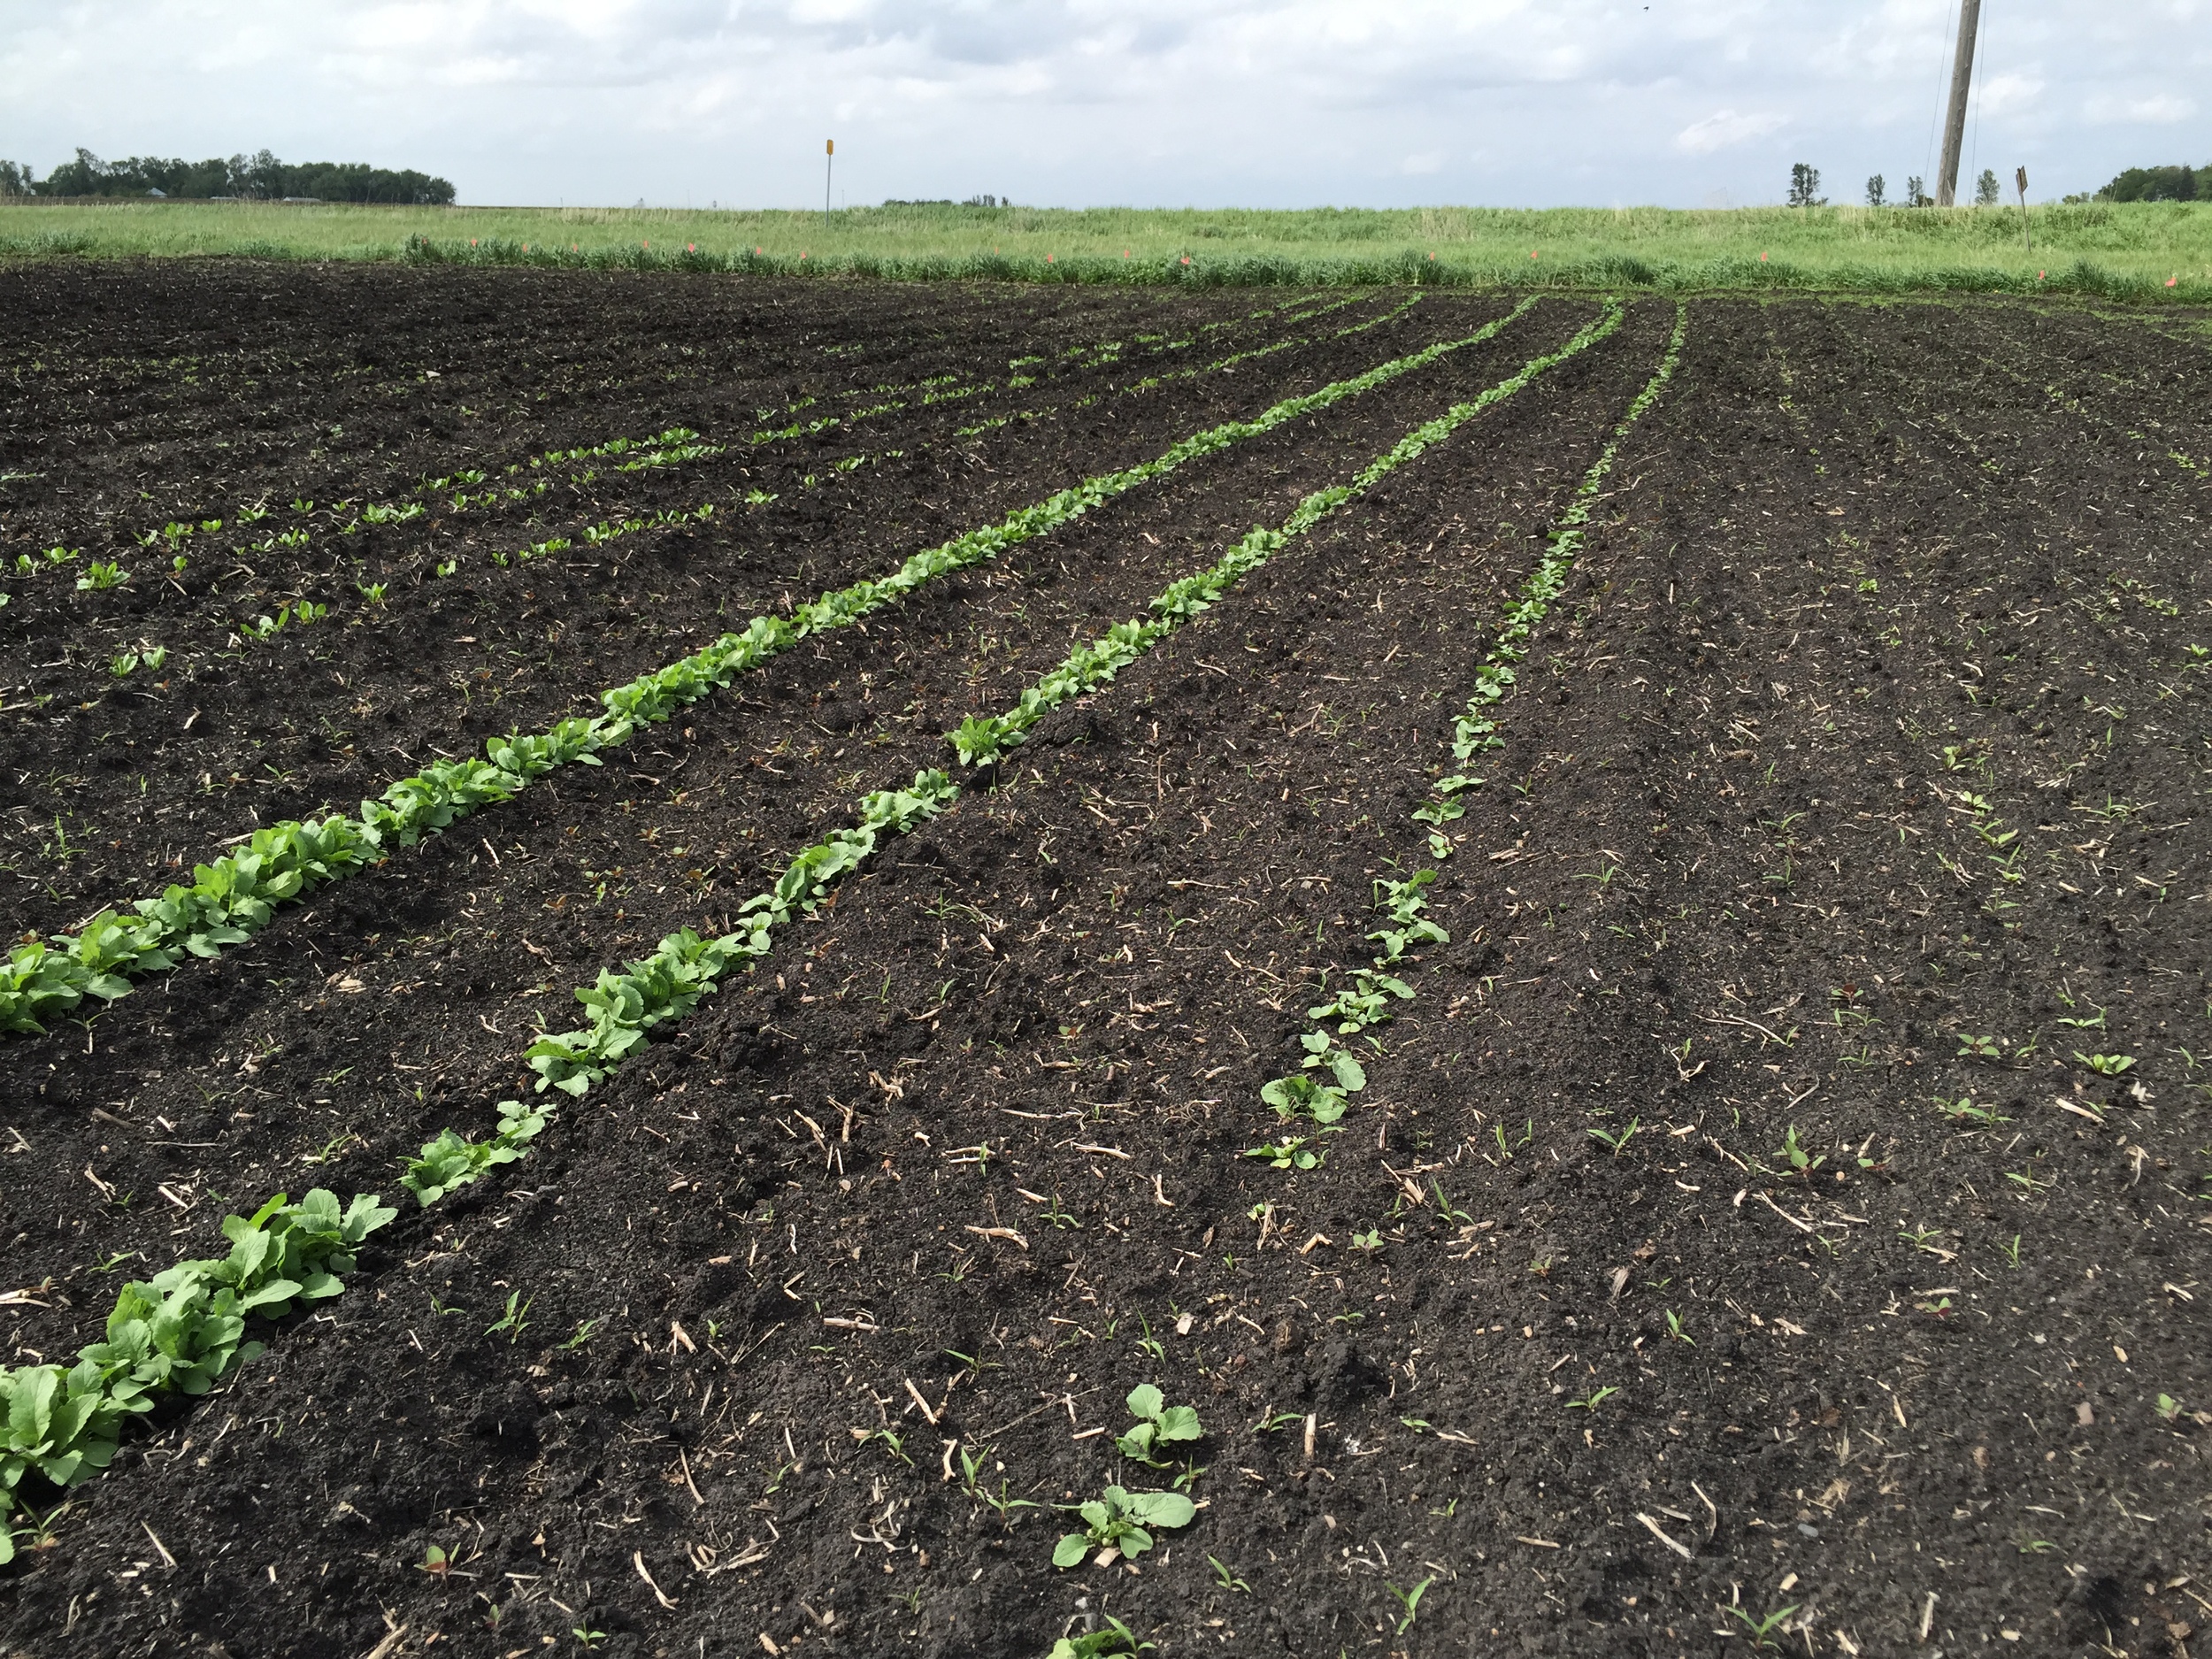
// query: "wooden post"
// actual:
[[829, 161], [1954, 122], [2020, 178]]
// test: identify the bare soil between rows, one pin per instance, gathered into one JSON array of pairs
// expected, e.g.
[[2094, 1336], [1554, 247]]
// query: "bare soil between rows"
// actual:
[[1850, 799]]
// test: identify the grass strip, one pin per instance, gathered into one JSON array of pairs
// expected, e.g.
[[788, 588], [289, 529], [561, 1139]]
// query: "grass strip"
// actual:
[[181, 1331], [233, 897], [1318, 1093], [668, 984]]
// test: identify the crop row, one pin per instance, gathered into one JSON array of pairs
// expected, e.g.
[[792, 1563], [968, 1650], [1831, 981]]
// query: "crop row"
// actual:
[[233, 896], [184, 1330], [1310, 1101], [673, 446], [180, 1332]]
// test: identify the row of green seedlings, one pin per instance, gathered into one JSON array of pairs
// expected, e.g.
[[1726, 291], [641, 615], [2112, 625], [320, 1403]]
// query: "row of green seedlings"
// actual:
[[1106, 355], [1217, 365], [1118, 1524], [677, 444], [180, 1332], [1281, 345], [68, 1420], [623, 1006], [1311, 1102], [664, 449], [232, 897], [950, 388], [672, 447]]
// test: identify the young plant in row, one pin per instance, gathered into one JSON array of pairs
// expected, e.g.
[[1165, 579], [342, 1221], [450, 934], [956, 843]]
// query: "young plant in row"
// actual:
[[668, 984], [1118, 1524], [181, 1331], [1159, 1426], [1368, 998]]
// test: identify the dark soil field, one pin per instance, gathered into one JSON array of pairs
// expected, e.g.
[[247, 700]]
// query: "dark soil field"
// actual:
[[1777, 1208]]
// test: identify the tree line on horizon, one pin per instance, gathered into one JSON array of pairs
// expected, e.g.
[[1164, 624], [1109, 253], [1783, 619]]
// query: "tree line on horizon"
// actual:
[[257, 177], [2137, 184]]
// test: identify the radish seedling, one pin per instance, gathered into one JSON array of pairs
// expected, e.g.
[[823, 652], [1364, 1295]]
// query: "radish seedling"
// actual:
[[1158, 1425], [450, 1161], [1115, 1524], [1300, 1096], [2106, 1064], [1116, 1638], [100, 576], [183, 1331], [1290, 1153]]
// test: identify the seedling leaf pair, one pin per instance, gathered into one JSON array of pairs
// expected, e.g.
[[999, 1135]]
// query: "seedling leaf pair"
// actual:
[[1158, 1425]]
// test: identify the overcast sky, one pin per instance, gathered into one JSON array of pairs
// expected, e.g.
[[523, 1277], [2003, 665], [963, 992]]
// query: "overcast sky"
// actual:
[[1080, 102]]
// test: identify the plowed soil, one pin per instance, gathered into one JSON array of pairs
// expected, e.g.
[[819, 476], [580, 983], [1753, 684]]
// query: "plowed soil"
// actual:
[[1780, 1213]]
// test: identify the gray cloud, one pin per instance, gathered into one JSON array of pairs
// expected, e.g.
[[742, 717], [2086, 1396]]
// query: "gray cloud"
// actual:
[[1170, 102]]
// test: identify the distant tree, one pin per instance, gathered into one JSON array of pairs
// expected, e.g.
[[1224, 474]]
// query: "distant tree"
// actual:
[[2151, 184], [15, 179], [1985, 189], [1915, 192], [1875, 186], [1805, 186], [258, 175]]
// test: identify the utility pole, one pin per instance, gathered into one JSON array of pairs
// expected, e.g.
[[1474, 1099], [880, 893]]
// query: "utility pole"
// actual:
[[1954, 122], [829, 161]]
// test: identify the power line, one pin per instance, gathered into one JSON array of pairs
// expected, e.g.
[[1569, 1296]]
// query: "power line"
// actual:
[[1955, 113], [1981, 51], [1935, 103]]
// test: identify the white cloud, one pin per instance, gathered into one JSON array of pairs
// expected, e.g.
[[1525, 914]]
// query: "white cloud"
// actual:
[[2155, 109], [2002, 95], [1265, 102], [1722, 128]]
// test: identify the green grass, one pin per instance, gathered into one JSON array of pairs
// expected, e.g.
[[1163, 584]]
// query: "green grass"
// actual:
[[2127, 252]]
